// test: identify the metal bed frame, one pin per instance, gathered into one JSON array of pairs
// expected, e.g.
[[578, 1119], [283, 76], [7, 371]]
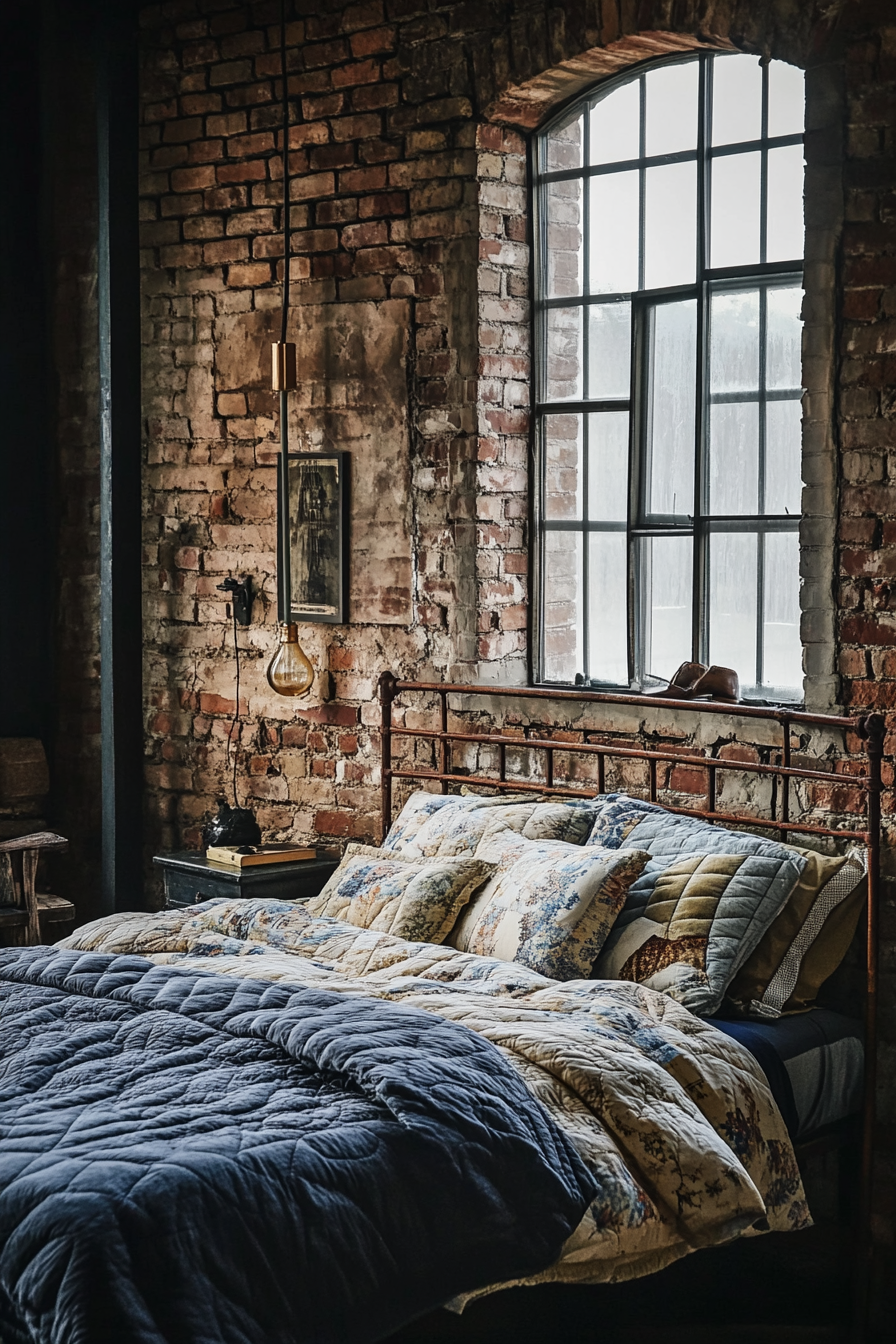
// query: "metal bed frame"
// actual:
[[869, 728]]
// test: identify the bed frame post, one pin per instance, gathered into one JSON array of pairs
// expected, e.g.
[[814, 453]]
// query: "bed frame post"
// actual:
[[387, 685], [872, 729]]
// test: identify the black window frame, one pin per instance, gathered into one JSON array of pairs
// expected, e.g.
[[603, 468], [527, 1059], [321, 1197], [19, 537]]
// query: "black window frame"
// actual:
[[701, 524]]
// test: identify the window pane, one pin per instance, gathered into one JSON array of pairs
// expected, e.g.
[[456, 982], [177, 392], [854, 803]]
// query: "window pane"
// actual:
[[562, 610], [563, 466], [564, 238], [608, 467], [782, 653], [734, 223], [732, 603], [666, 565], [786, 234], [563, 145], [608, 624], [672, 371], [734, 342], [736, 99], [564, 354], [672, 108], [783, 366], [786, 99], [609, 350], [671, 224], [614, 233], [783, 442], [616, 125], [734, 458]]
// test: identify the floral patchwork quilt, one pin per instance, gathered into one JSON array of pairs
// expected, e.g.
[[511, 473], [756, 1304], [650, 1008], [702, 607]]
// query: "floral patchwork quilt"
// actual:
[[674, 1120]]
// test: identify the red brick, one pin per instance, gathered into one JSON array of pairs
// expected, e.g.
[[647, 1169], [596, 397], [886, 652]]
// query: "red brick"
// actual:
[[199, 53], [230, 72], [161, 111], [866, 630], [332, 823], [373, 41], [314, 185], [188, 254], [243, 146], [206, 151], [320, 54], [332, 156], [384, 203], [179, 132], [342, 715], [230, 123], [362, 179], [198, 104], [359, 127], [226, 198], [252, 171], [249, 275], [211, 703], [315, 240], [360, 72], [192, 179], [365, 235], [371, 97], [227, 250]]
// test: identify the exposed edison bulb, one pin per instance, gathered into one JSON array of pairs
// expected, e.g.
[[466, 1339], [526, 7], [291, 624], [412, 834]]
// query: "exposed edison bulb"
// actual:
[[289, 671]]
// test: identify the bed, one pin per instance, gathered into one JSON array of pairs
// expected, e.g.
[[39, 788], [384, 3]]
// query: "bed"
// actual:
[[270, 1120]]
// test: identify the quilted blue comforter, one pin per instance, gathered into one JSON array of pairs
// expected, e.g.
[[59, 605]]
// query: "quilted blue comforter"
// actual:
[[187, 1157]]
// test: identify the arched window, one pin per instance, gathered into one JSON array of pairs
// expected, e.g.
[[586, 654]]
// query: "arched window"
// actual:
[[669, 253]]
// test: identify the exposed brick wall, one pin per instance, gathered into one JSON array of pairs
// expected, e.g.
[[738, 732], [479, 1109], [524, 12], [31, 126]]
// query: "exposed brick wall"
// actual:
[[71, 222], [409, 205]]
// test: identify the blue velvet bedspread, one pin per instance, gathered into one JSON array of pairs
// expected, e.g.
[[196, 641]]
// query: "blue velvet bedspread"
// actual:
[[186, 1157]]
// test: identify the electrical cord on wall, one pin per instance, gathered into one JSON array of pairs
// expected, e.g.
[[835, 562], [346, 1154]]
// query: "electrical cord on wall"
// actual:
[[284, 303], [236, 707]]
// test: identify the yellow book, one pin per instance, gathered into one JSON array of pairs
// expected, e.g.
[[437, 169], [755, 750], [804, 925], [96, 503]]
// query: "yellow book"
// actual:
[[248, 856]]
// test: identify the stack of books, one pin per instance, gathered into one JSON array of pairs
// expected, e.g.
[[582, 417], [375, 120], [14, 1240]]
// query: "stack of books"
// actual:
[[247, 856]]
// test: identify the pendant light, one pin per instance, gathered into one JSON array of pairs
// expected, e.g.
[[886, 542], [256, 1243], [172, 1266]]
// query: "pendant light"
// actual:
[[289, 672]]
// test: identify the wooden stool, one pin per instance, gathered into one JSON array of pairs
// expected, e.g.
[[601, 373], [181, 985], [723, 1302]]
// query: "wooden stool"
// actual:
[[23, 918]]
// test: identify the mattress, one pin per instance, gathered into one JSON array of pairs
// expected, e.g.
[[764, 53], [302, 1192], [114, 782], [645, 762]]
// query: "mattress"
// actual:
[[813, 1062]]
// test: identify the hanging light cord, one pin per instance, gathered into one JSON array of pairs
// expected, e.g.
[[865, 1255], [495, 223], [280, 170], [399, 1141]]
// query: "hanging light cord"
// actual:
[[284, 304], [236, 710]]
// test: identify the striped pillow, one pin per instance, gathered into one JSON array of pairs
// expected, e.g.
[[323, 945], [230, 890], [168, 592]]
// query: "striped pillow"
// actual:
[[806, 942]]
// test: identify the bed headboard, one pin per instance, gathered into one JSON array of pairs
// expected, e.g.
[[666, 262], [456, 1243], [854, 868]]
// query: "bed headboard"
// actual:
[[442, 726]]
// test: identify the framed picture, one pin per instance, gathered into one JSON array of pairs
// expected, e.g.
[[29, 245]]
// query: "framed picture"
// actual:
[[315, 537]]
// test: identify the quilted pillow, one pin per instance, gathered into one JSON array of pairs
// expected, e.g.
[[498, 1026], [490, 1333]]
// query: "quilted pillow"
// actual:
[[807, 941], [422, 805], [417, 899], [549, 905], [700, 907], [459, 824]]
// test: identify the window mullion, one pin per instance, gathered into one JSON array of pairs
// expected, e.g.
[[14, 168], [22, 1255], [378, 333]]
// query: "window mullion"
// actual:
[[699, 632]]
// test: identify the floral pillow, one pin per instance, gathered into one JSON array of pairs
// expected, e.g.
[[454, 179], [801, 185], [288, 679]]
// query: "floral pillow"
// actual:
[[549, 905], [418, 899], [422, 806], [455, 826]]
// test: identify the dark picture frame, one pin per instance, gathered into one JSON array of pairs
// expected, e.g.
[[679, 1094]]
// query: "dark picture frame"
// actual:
[[313, 574]]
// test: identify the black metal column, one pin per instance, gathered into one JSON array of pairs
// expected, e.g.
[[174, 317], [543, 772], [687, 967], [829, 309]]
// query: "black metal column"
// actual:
[[118, 278]]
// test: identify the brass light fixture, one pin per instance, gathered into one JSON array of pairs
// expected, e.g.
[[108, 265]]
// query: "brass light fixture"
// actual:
[[289, 672]]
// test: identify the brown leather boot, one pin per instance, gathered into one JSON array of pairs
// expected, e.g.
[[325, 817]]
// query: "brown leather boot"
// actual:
[[717, 683], [683, 680]]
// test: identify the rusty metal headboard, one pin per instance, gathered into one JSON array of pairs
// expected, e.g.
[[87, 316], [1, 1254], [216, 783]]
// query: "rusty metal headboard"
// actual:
[[869, 729]]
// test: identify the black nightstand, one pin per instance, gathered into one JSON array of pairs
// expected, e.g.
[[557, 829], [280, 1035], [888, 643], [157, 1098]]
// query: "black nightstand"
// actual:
[[190, 878]]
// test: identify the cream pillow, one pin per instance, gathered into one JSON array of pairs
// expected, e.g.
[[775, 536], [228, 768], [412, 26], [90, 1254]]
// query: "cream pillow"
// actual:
[[422, 806], [459, 830], [414, 898], [549, 905]]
